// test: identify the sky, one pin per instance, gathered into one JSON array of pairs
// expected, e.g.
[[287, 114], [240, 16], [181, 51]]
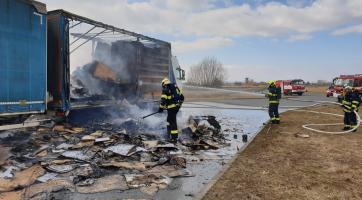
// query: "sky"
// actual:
[[260, 39]]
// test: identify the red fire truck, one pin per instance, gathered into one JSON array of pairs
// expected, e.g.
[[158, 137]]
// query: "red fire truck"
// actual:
[[336, 89], [290, 87]]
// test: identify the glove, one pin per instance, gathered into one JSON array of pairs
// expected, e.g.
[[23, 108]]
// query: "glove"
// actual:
[[160, 110]]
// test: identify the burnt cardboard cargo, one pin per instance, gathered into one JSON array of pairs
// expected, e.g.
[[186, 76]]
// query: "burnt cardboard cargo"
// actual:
[[125, 69], [103, 72]]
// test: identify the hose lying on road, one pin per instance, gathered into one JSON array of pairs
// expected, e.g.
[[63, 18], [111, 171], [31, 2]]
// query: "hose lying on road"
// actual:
[[307, 126], [236, 107]]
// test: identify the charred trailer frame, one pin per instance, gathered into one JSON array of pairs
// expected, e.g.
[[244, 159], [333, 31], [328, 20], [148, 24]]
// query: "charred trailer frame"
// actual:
[[150, 68], [23, 57], [58, 63]]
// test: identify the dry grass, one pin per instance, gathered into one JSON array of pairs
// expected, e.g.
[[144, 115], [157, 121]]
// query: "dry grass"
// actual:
[[317, 89], [279, 165]]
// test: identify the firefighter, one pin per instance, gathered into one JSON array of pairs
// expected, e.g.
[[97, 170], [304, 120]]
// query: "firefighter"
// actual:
[[274, 95], [347, 107], [171, 100], [356, 101]]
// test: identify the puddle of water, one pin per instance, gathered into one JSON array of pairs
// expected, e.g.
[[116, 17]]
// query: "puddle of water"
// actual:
[[237, 122]]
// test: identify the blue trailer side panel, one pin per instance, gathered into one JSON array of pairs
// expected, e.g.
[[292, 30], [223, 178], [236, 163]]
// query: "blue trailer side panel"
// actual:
[[22, 57]]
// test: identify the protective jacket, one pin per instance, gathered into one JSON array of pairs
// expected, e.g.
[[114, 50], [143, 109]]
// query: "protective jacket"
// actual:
[[351, 102], [171, 97], [356, 101], [274, 95]]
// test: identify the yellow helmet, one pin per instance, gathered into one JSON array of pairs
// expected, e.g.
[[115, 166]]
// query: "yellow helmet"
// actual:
[[165, 81], [271, 82]]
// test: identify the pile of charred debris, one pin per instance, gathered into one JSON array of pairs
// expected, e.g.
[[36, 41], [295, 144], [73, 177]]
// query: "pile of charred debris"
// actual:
[[121, 69], [38, 162]]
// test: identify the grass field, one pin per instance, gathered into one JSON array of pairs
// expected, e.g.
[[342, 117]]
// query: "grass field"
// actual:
[[280, 165]]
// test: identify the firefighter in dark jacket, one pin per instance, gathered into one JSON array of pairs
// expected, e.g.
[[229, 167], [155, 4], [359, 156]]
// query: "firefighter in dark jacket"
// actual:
[[351, 103], [356, 102], [274, 95], [171, 100]]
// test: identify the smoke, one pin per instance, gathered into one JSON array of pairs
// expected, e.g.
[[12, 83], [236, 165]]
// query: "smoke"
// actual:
[[155, 124], [113, 73], [114, 57], [83, 84], [134, 112], [105, 74]]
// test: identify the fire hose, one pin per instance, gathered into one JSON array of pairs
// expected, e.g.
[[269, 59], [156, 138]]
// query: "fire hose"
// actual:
[[144, 117], [307, 126]]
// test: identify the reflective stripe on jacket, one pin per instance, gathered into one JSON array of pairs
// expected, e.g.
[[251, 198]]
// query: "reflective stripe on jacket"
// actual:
[[168, 100], [356, 101], [347, 103], [273, 95]]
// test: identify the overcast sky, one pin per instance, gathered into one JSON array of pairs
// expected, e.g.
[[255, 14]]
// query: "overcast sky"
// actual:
[[260, 39]]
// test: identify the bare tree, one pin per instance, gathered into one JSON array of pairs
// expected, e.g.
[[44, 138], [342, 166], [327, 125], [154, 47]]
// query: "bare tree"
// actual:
[[209, 72]]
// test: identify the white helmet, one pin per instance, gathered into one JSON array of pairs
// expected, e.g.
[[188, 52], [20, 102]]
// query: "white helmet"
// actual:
[[347, 87]]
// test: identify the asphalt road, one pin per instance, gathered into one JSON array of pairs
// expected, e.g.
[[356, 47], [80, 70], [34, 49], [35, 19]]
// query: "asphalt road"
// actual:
[[287, 101]]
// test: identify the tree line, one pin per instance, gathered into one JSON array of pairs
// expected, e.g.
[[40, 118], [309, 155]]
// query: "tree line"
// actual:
[[209, 72]]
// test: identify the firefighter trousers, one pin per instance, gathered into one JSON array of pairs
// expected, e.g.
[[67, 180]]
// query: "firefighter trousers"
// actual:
[[172, 123], [350, 119], [274, 112]]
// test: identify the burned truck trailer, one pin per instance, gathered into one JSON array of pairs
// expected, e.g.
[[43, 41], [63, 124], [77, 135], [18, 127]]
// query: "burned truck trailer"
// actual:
[[129, 65], [36, 48], [22, 57]]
